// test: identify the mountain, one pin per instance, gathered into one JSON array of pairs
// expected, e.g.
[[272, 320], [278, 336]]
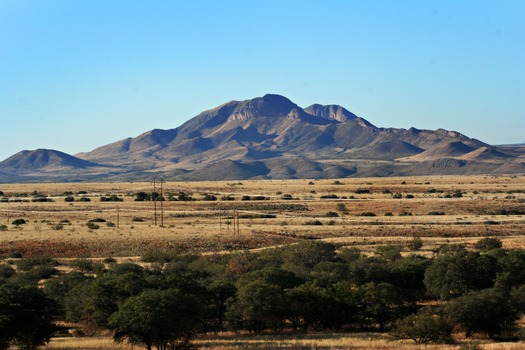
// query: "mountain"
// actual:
[[43, 160], [270, 137]]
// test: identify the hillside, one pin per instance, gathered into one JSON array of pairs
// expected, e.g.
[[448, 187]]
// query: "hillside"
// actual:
[[270, 137]]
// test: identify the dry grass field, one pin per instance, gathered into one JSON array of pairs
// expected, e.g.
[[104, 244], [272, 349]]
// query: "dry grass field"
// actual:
[[357, 212], [325, 341], [363, 213]]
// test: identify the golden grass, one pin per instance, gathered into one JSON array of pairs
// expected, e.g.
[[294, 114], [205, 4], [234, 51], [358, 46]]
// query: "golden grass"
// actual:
[[206, 225], [318, 341]]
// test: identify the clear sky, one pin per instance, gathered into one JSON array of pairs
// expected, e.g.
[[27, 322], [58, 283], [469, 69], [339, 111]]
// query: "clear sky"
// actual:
[[76, 75]]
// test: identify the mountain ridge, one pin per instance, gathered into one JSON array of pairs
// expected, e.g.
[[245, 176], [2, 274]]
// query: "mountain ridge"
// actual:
[[270, 137]]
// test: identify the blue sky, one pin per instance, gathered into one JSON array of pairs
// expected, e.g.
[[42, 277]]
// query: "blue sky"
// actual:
[[76, 75]]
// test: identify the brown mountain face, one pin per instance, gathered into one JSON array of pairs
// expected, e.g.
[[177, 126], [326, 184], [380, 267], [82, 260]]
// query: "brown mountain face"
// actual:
[[272, 137]]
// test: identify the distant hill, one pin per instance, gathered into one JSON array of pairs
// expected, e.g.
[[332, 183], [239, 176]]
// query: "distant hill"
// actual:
[[270, 137]]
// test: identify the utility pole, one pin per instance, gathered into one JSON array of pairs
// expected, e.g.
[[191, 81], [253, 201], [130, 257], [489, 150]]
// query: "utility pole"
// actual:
[[154, 195], [220, 220], [238, 225], [161, 202]]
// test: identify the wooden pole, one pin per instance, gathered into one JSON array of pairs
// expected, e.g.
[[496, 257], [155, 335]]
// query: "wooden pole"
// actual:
[[154, 201], [161, 202]]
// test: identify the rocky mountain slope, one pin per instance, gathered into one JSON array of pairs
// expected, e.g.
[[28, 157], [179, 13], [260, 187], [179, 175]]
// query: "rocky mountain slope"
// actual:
[[270, 137]]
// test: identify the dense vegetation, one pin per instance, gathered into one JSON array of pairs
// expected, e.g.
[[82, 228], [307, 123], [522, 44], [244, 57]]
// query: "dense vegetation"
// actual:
[[171, 296]]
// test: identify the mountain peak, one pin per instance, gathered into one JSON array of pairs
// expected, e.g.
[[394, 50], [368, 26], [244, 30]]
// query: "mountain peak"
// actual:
[[267, 106], [335, 112]]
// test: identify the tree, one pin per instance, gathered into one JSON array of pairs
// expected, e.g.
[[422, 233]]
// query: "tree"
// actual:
[[162, 319], [319, 306], [25, 316], [389, 252], [301, 258], [451, 276], [257, 306], [490, 311], [408, 274], [512, 268], [422, 329], [382, 303]]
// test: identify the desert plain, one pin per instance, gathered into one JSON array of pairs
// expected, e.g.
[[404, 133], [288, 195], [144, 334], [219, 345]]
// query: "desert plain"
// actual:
[[219, 217], [362, 212]]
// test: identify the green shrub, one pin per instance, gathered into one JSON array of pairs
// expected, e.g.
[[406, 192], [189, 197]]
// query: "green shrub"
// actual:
[[313, 223], [415, 243], [111, 198], [422, 329], [97, 220], [92, 226], [18, 222], [209, 197], [488, 243]]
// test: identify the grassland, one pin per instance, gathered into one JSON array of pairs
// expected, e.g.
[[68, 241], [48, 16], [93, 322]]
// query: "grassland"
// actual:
[[356, 212], [363, 213]]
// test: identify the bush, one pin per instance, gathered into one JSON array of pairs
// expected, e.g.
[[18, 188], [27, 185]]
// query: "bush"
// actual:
[[137, 219], [329, 196], [434, 212], [69, 199], [422, 329], [18, 222], [367, 213], [313, 223], [332, 214], [489, 243], [341, 207], [84, 199], [112, 198], [29, 263], [97, 220], [14, 255], [3, 227], [92, 226], [415, 243], [209, 197]]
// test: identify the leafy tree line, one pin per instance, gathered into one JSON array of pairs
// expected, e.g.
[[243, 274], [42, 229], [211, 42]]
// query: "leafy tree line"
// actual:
[[307, 286]]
